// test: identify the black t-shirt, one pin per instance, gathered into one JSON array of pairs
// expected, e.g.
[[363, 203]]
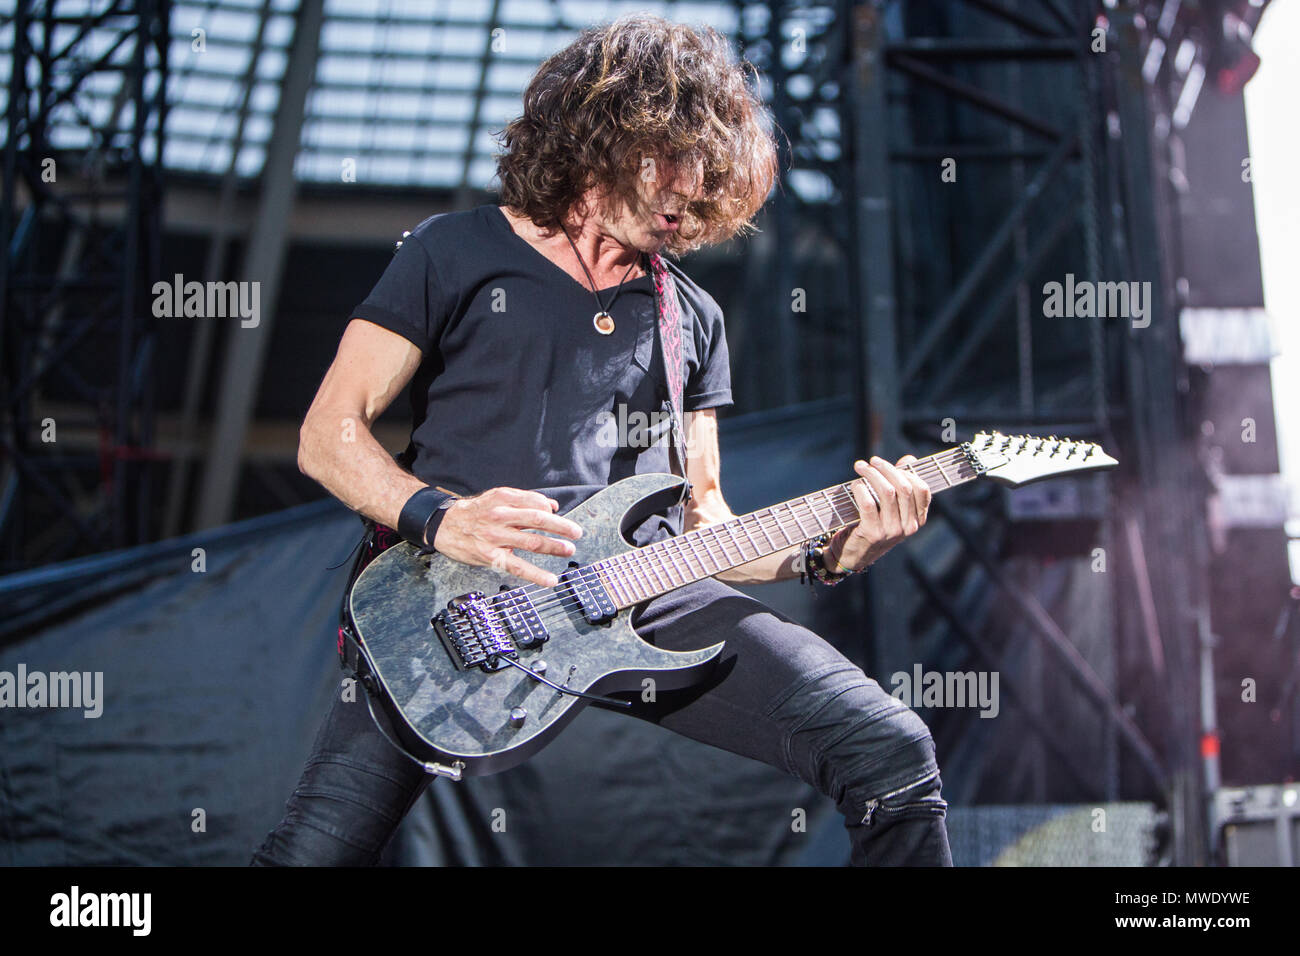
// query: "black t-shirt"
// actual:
[[516, 387]]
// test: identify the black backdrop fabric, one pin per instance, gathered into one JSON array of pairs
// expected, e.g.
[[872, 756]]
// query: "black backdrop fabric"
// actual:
[[218, 658]]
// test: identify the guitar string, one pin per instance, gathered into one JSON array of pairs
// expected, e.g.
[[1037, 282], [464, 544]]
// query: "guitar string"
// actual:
[[666, 551], [566, 597], [630, 581], [561, 596], [819, 509]]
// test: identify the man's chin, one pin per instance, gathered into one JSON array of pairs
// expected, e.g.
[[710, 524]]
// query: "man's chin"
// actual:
[[658, 242]]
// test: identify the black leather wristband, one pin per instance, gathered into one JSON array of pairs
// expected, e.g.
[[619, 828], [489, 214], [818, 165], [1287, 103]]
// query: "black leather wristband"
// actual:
[[421, 515]]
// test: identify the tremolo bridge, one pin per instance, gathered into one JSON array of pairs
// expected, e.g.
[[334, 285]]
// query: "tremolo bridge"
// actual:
[[478, 631]]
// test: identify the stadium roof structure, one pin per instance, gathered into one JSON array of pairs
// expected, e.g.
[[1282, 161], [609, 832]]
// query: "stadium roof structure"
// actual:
[[405, 93]]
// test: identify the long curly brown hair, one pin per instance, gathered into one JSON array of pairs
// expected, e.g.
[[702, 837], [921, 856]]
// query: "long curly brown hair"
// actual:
[[635, 88]]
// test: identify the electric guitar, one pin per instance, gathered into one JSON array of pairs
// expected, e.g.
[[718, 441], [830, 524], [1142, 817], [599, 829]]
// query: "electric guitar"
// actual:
[[478, 673]]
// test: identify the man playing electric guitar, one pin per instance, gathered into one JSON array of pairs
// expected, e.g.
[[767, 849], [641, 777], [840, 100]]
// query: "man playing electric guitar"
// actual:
[[520, 330]]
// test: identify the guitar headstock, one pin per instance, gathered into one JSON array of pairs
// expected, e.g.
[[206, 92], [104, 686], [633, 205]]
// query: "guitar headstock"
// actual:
[[1019, 459]]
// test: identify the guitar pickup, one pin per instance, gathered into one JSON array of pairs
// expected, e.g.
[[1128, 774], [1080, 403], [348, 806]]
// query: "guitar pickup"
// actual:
[[520, 617], [593, 600]]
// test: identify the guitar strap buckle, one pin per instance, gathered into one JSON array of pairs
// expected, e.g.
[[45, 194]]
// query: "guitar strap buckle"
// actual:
[[351, 660], [355, 666]]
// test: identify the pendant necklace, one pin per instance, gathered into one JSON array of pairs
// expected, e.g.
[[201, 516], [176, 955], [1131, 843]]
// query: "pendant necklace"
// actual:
[[602, 320]]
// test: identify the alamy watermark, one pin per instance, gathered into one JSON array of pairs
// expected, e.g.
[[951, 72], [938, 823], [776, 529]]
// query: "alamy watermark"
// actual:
[[75, 908], [623, 429], [947, 689], [78, 689], [208, 300], [1102, 300]]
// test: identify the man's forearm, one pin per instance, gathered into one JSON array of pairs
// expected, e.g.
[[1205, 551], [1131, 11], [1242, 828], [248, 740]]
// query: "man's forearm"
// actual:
[[780, 566], [341, 453], [707, 508]]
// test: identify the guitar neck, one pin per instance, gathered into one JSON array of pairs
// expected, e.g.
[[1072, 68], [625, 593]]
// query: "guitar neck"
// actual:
[[638, 575]]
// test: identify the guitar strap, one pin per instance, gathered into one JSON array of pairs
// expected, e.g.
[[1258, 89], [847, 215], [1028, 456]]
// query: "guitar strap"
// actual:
[[669, 315]]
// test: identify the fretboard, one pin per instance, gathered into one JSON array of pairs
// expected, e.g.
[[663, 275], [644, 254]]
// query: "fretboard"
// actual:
[[640, 574]]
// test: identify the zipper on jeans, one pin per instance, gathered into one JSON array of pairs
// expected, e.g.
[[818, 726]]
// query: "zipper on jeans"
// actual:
[[871, 808], [874, 804]]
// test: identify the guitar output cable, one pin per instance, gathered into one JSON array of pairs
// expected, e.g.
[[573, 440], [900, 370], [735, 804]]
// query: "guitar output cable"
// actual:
[[565, 690]]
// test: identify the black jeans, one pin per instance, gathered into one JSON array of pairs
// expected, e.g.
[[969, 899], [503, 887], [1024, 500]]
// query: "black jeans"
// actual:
[[780, 694]]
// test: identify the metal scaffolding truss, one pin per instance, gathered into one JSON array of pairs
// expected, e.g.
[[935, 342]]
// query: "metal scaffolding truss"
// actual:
[[947, 325], [80, 216], [951, 157]]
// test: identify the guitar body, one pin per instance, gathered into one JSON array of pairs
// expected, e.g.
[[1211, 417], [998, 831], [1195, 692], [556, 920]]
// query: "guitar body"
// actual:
[[449, 714]]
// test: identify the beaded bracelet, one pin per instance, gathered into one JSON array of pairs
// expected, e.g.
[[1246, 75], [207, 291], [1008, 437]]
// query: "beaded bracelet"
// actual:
[[814, 563]]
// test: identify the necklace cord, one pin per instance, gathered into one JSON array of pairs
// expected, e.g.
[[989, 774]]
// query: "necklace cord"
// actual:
[[600, 305]]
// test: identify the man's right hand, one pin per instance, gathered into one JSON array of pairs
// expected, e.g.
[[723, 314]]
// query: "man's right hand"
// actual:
[[486, 530]]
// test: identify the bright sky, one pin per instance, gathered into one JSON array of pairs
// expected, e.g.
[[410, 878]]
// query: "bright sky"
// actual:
[[1271, 111]]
